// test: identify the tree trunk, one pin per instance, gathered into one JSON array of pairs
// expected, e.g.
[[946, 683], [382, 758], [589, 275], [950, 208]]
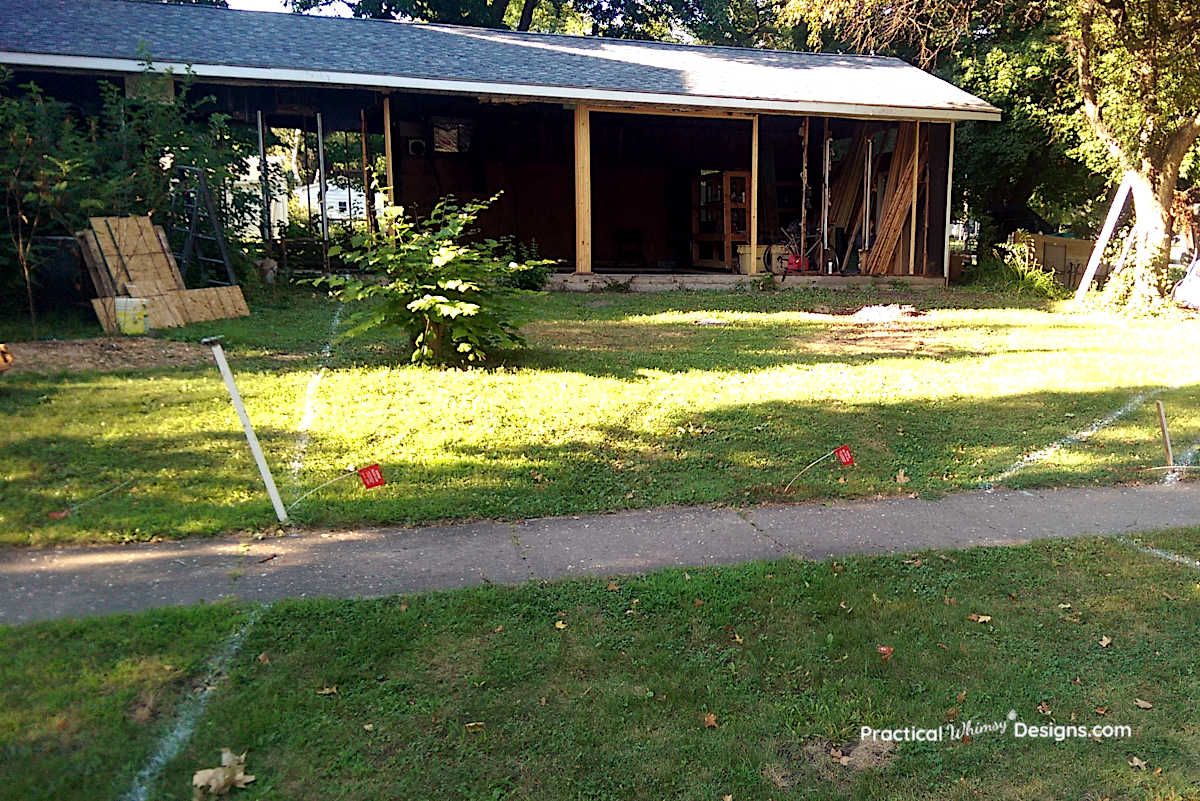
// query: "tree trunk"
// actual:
[[527, 9], [1143, 285]]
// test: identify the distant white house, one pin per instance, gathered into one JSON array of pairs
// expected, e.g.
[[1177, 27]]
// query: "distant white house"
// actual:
[[344, 203]]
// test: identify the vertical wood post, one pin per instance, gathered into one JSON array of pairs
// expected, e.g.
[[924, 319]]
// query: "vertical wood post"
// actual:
[[323, 187], [265, 178], [753, 199], [826, 167], [916, 177], [388, 158], [368, 192], [803, 195], [583, 190], [1166, 434], [949, 203]]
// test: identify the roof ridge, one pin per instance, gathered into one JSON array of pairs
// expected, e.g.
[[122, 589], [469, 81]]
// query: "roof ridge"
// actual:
[[510, 32]]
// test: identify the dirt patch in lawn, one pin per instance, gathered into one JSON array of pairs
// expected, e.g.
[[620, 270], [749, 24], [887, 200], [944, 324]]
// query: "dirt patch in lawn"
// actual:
[[104, 354], [833, 763]]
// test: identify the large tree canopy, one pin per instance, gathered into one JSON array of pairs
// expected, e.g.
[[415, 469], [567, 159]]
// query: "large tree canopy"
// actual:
[[1134, 74]]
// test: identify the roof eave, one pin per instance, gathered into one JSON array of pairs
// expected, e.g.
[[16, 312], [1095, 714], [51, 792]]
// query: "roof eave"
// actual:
[[535, 92]]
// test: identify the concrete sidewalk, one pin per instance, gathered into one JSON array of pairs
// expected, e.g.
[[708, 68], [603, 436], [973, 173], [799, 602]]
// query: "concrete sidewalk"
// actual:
[[78, 581]]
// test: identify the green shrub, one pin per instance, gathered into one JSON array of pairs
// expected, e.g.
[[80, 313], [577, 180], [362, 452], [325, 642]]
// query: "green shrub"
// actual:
[[526, 269], [450, 296], [1013, 267]]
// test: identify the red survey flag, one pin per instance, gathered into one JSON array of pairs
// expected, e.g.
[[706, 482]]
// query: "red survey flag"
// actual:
[[844, 455], [371, 476]]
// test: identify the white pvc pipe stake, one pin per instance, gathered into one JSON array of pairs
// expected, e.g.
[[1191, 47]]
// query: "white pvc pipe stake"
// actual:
[[240, 408]]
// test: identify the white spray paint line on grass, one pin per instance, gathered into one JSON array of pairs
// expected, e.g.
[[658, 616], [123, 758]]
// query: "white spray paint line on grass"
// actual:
[[1160, 553], [190, 711], [1187, 460], [1083, 435], [310, 399]]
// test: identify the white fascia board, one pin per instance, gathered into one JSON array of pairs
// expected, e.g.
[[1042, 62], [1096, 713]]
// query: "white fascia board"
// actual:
[[531, 91]]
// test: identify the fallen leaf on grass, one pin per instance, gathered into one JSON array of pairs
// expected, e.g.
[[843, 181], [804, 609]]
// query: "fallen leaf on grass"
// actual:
[[727, 798], [368, 727], [1137, 764], [219, 781], [1105, 641], [404, 606], [263, 658], [951, 714], [697, 602], [737, 638], [1102, 710], [613, 586], [885, 652], [962, 696], [328, 690], [498, 629], [977, 618], [902, 479], [1043, 707], [560, 625], [948, 601], [710, 720], [1078, 682], [1140, 704], [475, 725]]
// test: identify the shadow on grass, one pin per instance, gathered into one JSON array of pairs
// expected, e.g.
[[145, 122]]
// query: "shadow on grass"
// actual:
[[743, 453]]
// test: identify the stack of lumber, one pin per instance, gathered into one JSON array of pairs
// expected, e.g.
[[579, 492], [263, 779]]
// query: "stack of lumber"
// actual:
[[897, 202], [130, 257], [846, 194]]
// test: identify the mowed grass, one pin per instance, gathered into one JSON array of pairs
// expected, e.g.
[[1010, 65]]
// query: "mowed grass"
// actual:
[[592, 690], [621, 401]]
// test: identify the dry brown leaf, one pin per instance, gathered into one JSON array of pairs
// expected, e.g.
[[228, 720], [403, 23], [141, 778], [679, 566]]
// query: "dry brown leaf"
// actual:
[[498, 629], [697, 602], [1137, 764], [560, 625], [1102, 710], [962, 696], [1140, 704], [1043, 707], [368, 727], [328, 690], [901, 478], [613, 586], [710, 720], [951, 714], [727, 798], [885, 652], [404, 606], [266, 660], [948, 601], [219, 781], [977, 618], [1105, 641], [1078, 682], [737, 638], [474, 725], [1157, 771]]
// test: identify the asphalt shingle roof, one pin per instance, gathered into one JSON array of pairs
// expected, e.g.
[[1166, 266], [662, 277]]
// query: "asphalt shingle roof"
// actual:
[[375, 54]]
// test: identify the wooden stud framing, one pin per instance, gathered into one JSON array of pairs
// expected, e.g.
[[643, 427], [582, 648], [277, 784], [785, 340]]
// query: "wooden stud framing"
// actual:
[[949, 203], [912, 228], [387, 150], [804, 192], [753, 199], [583, 190]]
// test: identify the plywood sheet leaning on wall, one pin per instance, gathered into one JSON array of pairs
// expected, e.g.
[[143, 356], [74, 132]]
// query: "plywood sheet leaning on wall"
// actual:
[[897, 202], [130, 257]]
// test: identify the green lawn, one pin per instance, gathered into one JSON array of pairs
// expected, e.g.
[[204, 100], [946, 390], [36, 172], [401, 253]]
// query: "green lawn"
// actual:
[[479, 694], [622, 401]]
